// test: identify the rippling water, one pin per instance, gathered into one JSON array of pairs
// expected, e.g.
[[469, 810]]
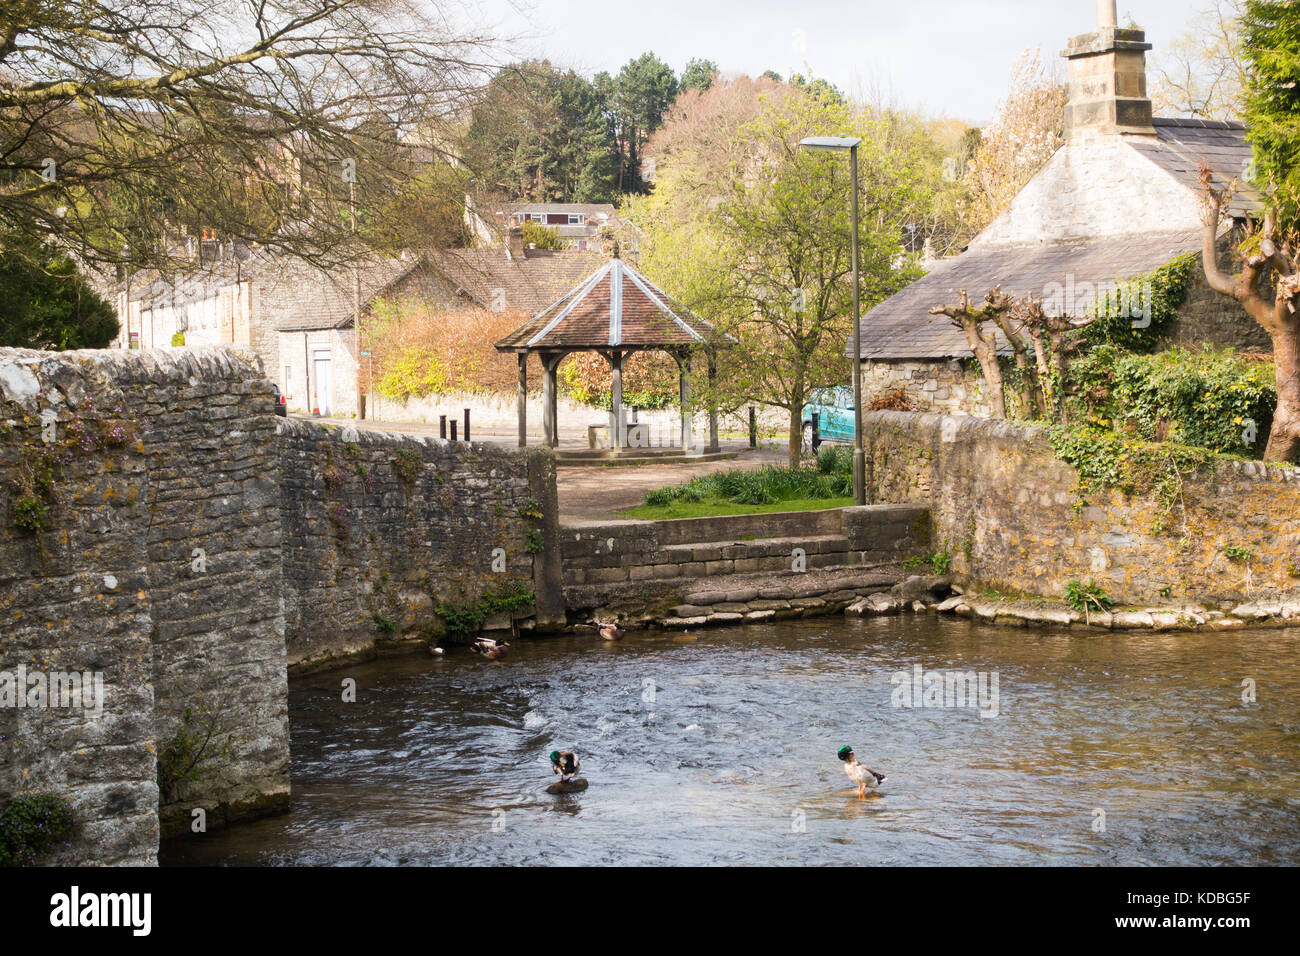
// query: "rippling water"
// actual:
[[721, 750]]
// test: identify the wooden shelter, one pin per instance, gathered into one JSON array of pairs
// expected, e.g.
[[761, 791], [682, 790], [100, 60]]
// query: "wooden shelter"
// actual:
[[615, 311]]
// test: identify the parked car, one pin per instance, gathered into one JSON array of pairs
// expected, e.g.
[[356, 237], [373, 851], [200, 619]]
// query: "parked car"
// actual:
[[834, 408], [281, 407]]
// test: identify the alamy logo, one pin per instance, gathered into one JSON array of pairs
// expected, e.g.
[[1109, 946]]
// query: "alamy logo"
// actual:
[[41, 690], [74, 909], [1125, 300], [922, 688]]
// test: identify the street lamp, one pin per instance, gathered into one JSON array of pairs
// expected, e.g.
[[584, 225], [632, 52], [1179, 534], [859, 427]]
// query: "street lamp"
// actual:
[[837, 144]]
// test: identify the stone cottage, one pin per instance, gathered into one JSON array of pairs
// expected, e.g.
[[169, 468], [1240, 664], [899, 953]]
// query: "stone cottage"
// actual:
[[301, 319], [1119, 199]]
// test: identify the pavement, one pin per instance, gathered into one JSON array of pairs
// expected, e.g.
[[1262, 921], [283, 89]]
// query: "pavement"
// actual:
[[598, 492]]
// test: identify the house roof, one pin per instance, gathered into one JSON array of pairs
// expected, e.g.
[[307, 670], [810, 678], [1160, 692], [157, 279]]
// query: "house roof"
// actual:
[[614, 306], [1181, 146], [528, 284], [902, 328], [327, 300]]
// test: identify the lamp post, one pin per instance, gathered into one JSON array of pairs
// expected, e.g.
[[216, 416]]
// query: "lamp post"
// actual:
[[837, 144]]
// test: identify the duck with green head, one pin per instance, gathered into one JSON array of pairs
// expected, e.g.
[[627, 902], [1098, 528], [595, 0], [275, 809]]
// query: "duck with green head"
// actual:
[[566, 764], [859, 772]]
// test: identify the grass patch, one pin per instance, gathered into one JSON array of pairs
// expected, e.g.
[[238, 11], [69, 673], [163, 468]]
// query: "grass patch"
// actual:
[[712, 507]]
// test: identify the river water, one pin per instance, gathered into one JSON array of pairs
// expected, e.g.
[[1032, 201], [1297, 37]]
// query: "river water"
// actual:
[[1107, 748]]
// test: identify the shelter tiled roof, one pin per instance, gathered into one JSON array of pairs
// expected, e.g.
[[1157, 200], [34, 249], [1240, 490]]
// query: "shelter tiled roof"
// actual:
[[614, 306]]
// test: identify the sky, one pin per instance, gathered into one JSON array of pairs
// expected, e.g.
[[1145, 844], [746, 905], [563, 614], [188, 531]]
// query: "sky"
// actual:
[[947, 57]]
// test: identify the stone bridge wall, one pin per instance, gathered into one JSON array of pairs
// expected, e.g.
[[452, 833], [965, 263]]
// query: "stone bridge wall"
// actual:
[[156, 563]]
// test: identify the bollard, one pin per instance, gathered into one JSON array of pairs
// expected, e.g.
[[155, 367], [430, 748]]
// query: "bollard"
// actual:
[[817, 433], [467, 424], [753, 428], [442, 427], [453, 429], [634, 411]]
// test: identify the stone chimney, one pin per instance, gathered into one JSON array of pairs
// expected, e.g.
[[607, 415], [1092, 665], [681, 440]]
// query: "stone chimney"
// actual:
[[1108, 82], [514, 242]]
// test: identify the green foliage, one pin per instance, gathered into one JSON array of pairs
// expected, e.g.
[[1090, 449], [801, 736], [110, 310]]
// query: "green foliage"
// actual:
[[544, 135], [1085, 597], [31, 824], [47, 303], [940, 562], [407, 465], [204, 741], [383, 624], [1206, 399], [540, 236], [534, 542], [1107, 461], [698, 75], [530, 508], [1270, 35], [468, 618], [33, 484], [766, 485], [1140, 312], [416, 371], [1237, 552]]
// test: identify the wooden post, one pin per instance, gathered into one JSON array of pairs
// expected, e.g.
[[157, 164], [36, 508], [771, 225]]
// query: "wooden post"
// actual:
[[713, 403], [685, 395], [550, 361], [523, 399], [617, 437]]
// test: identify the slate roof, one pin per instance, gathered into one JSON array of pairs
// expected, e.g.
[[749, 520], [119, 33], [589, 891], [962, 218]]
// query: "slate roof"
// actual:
[[1183, 144], [614, 306], [901, 327], [327, 300]]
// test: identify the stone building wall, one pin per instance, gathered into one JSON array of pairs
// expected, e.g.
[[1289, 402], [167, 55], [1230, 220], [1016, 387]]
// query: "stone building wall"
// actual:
[[1009, 512], [381, 529], [158, 566]]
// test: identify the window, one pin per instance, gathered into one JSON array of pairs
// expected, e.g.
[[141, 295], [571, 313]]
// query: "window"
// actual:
[[576, 219]]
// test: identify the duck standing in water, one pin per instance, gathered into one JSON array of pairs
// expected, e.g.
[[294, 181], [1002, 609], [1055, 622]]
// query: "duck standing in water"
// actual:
[[858, 772], [492, 650], [610, 632]]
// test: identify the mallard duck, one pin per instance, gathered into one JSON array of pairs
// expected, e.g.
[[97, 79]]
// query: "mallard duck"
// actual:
[[610, 632], [492, 650], [859, 773], [566, 764]]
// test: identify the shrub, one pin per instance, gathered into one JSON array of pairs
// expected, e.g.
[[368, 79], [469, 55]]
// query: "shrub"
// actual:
[[31, 824], [1219, 400], [1085, 597], [831, 477]]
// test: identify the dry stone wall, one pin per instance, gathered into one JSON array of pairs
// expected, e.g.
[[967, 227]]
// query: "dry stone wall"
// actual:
[[1010, 513]]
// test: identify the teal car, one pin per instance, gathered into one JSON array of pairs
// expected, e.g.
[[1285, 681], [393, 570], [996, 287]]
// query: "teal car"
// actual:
[[834, 408]]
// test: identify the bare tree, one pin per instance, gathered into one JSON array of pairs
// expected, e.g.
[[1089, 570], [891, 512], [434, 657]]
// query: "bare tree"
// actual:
[[982, 339], [1201, 73], [124, 123], [1264, 262]]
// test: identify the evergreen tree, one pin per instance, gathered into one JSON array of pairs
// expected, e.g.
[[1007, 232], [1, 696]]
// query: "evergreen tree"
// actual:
[[45, 303]]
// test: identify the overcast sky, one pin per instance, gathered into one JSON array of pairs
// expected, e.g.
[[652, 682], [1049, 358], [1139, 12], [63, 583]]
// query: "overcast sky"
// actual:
[[950, 57]]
